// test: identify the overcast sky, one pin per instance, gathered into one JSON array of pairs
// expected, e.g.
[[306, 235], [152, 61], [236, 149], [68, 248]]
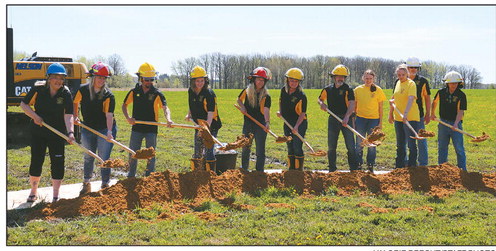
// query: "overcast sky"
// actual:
[[162, 35]]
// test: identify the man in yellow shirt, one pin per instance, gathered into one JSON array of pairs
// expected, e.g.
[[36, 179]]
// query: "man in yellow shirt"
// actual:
[[369, 100], [404, 96]]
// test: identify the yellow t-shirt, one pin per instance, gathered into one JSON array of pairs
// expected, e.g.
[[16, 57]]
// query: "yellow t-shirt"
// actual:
[[400, 94], [368, 102]]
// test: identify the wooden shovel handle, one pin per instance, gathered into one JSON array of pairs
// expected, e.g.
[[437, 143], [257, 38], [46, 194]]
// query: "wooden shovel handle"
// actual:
[[92, 154], [407, 123], [256, 121], [347, 126], [457, 129], [297, 134], [165, 124], [129, 150]]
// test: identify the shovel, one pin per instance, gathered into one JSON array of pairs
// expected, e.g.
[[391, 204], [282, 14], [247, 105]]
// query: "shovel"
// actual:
[[313, 152], [364, 140], [279, 139], [92, 154], [165, 124], [129, 150], [417, 137], [474, 138]]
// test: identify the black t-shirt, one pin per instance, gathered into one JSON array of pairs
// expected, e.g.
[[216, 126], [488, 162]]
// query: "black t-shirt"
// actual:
[[422, 89], [450, 103], [146, 107], [337, 98], [256, 112], [50, 109], [292, 105], [93, 111], [201, 104]]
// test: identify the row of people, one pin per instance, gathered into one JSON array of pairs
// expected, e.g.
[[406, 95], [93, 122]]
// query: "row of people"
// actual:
[[54, 105]]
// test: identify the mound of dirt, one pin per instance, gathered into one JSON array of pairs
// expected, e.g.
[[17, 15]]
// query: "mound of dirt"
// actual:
[[167, 186]]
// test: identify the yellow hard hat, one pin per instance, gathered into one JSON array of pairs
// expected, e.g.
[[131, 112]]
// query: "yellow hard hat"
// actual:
[[146, 70], [198, 72], [453, 77], [295, 73], [340, 70]]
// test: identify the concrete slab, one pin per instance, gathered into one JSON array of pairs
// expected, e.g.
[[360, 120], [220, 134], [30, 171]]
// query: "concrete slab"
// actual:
[[17, 199]]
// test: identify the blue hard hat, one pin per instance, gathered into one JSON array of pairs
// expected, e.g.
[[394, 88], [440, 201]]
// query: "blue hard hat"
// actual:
[[56, 68]]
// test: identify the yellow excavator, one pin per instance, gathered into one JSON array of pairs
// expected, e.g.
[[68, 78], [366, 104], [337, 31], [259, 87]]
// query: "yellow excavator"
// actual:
[[22, 76]]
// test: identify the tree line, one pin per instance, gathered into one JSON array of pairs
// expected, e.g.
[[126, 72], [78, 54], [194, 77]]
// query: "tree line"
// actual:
[[228, 71]]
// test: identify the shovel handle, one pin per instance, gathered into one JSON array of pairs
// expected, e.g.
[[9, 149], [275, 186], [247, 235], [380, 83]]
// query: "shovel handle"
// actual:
[[347, 126], [129, 150], [92, 154], [457, 129], [297, 134], [165, 124], [407, 123], [256, 121]]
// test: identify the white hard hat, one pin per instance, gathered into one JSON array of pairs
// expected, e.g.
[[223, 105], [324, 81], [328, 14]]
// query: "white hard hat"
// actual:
[[453, 77], [413, 62]]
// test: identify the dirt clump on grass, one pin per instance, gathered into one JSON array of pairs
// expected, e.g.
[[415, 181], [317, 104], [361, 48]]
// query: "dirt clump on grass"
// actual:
[[198, 186]]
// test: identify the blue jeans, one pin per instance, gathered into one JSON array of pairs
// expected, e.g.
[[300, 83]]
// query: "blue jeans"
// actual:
[[260, 136], [443, 139], [201, 150], [295, 145], [334, 127], [135, 145], [364, 126], [403, 139], [423, 156], [93, 143]]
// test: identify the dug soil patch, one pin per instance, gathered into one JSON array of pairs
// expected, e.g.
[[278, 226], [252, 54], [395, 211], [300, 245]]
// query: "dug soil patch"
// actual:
[[165, 187]]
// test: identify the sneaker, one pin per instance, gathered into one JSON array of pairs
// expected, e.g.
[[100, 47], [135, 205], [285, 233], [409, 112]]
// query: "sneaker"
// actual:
[[31, 198], [104, 186], [86, 188]]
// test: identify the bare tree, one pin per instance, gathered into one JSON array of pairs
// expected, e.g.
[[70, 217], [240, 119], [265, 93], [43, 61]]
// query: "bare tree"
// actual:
[[117, 63]]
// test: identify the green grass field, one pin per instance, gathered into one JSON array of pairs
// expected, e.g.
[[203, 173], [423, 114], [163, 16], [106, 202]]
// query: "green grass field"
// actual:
[[175, 145], [464, 218]]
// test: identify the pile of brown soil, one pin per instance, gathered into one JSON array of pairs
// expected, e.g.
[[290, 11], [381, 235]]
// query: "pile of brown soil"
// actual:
[[165, 187]]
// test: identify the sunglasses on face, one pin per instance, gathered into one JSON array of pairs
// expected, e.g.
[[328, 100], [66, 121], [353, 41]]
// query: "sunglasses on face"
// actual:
[[148, 79]]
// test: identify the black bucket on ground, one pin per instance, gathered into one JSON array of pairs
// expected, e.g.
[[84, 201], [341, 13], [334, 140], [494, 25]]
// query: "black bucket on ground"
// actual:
[[225, 161]]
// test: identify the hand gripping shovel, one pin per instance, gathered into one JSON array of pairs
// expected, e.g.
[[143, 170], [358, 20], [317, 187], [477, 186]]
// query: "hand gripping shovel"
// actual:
[[365, 141], [92, 154], [320, 153], [417, 137], [279, 139], [474, 138]]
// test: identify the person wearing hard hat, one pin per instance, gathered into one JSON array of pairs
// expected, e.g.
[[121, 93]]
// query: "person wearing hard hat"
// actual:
[[340, 100], [52, 102], [423, 95], [293, 108], [147, 101], [202, 106], [255, 100], [452, 106], [404, 95], [369, 99], [97, 107]]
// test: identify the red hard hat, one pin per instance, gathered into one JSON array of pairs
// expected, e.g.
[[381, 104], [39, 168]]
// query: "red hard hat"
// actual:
[[261, 72], [101, 69]]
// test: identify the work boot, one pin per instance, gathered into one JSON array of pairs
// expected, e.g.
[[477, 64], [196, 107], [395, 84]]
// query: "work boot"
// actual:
[[103, 186], [299, 162], [211, 165], [291, 162], [197, 164], [86, 188], [370, 168]]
